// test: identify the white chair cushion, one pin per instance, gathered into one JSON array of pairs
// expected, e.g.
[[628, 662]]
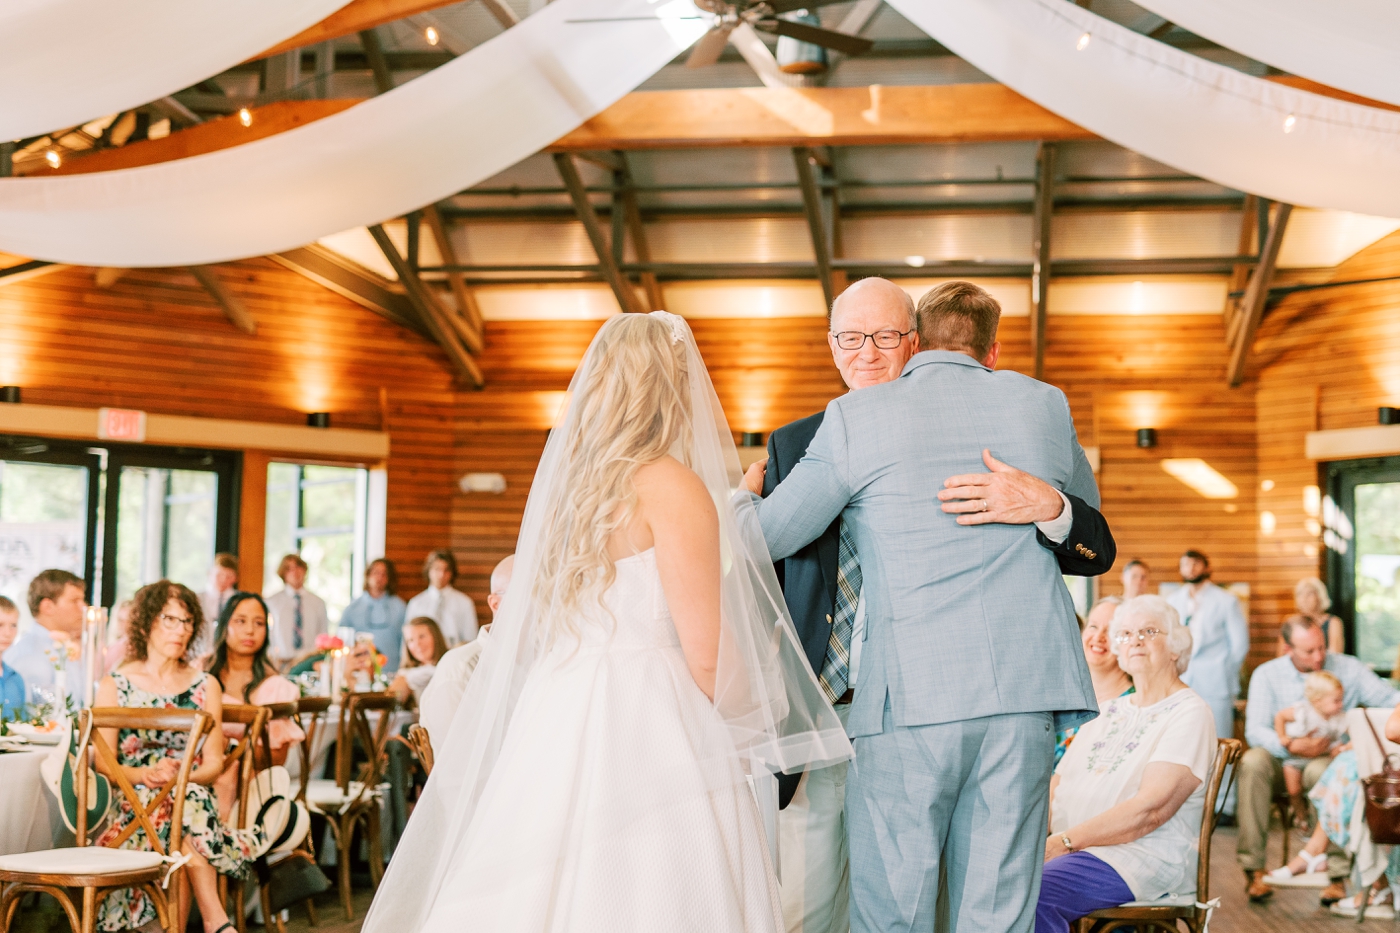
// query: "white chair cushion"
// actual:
[[324, 795], [1171, 900], [89, 860]]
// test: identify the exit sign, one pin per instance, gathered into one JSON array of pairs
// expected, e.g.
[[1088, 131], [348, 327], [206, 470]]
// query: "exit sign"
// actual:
[[121, 424]]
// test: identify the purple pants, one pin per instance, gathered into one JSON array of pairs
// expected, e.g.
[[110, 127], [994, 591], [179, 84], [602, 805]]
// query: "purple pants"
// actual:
[[1074, 885]]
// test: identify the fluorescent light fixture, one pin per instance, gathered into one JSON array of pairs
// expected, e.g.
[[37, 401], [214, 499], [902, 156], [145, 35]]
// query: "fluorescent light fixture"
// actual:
[[1202, 477]]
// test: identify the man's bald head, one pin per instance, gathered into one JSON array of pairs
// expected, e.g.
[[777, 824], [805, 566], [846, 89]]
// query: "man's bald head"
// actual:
[[500, 582], [873, 291]]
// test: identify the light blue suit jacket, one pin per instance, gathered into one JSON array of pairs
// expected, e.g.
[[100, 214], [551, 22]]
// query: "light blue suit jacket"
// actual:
[[963, 621]]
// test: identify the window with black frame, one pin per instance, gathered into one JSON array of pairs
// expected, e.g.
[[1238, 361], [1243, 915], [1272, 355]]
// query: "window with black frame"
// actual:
[[1360, 519]]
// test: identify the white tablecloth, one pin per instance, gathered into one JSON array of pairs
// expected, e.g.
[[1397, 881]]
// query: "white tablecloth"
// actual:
[[29, 818]]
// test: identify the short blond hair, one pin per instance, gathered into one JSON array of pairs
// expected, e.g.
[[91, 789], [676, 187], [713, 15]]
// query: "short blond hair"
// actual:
[[1321, 684]]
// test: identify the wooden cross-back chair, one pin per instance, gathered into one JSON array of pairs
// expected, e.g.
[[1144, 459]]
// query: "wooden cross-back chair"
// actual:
[[305, 850], [311, 717], [99, 870], [422, 748], [254, 721], [1163, 915], [352, 800]]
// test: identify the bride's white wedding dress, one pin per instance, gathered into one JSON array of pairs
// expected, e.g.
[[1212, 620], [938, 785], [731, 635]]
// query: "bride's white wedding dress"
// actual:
[[618, 801]]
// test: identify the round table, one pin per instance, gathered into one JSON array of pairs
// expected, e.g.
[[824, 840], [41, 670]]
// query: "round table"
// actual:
[[29, 818]]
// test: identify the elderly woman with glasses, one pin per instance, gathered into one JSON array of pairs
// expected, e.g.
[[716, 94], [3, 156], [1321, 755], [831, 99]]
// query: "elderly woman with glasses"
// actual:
[[159, 673], [1127, 799]]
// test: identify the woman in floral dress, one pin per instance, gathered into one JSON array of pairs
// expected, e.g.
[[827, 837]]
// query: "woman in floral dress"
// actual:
[[158, 674]]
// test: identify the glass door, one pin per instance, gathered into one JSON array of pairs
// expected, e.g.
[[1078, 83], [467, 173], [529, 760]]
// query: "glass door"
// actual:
[[49, 503], [172, 511], [1361, 530]]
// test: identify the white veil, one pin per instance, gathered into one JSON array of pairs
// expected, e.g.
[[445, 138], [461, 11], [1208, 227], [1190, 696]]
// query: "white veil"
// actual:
[[776, 715]]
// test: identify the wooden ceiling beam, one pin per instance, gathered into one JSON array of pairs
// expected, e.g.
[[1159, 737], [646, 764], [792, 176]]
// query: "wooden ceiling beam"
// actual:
[[818, 116], [1040, 248], [211, 136], [1256, 294], [786, 117], [468, 311], [356, 16], [806, 165], [445, 335], [625, 201], [329, 269], [578, 194], [233, 307]]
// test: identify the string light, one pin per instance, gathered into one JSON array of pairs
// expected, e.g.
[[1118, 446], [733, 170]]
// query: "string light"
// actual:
[[1083, 42], [1289, 122], [431, 34], [245, 116], [53, 158]]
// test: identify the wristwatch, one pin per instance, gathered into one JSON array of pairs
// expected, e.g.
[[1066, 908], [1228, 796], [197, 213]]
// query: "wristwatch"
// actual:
[[1064, 841]]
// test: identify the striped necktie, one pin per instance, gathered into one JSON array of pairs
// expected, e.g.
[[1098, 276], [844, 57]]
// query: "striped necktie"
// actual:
[[296, 622], [836, 669]]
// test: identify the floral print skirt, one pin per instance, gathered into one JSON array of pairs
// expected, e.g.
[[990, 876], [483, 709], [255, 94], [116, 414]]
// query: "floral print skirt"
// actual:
[[228, 850]]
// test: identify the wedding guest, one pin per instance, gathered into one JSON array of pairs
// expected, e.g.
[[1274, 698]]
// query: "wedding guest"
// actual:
[[453, 610], [1336, 796], [246, 675], [1275, 685], [1221, 638], [116, 637], [1312, 601], [223, 583], [379, 611], [424, 647], [54, 642], [160, 674], [1127, 799], [297, 614], [1318, 713], [12, 693], [440, 698], [1109, 679], [1137, 579]]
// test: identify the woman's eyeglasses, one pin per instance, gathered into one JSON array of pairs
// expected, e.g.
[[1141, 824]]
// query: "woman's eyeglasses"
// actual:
[[175, 623], [1146, 635]]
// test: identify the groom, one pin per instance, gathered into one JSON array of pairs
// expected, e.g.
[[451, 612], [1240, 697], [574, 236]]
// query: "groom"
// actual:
[[971, 661]]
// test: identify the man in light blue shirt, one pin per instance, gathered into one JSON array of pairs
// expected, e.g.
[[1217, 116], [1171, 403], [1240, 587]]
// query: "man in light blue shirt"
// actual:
[[1276, 685], [57, 602]]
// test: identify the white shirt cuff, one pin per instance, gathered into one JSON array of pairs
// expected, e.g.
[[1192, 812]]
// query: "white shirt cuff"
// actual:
[[1057, 529]]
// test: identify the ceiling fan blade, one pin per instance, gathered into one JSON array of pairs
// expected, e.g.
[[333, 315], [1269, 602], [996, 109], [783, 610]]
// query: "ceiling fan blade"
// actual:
[[708, 49], [792, 6], [826, 38]]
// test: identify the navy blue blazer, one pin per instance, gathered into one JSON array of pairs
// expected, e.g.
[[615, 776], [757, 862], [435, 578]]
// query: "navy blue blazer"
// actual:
[[808, 577]]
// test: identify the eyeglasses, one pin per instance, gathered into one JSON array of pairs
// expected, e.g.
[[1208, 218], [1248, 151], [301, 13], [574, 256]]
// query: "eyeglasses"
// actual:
[[1146, 635], [884, 339], [175, 623]]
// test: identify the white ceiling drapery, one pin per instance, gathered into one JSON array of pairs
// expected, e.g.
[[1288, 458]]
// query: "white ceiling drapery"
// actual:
[[66, 62], [444, 131], [1353, 45], [1190, 113]]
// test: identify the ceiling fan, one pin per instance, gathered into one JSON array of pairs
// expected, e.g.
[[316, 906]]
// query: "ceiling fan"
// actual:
[[765, 17]]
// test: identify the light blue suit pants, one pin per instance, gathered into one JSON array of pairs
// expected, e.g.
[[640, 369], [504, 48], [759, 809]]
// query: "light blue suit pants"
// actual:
[[971, 795]]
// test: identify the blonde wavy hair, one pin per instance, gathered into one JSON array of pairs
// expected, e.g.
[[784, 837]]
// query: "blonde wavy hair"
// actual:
[[631, 407]]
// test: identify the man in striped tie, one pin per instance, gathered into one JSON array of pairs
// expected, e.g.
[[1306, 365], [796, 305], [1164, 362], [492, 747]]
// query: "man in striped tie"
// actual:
[[872, 336]]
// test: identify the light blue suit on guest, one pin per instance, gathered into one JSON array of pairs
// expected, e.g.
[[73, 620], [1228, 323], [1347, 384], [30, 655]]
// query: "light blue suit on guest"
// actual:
[[972, 656]]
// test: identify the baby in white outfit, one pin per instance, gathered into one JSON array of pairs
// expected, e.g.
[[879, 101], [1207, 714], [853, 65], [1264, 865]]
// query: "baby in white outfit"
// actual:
[[1319, 714]]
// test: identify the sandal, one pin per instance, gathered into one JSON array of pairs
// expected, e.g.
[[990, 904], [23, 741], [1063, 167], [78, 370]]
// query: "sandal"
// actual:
[[228, 925], [1312, 864]]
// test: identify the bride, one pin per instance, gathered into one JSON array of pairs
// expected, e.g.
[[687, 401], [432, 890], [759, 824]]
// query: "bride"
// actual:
[[642, 677]]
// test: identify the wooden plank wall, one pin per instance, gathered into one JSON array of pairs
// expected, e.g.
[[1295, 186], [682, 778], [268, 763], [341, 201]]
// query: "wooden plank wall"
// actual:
[[1325, 359], [156, 341]]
